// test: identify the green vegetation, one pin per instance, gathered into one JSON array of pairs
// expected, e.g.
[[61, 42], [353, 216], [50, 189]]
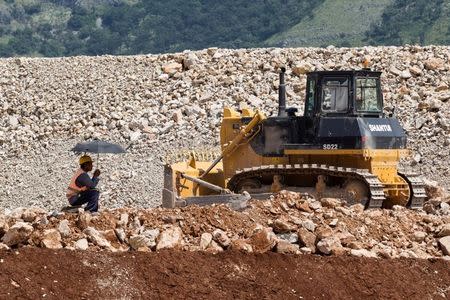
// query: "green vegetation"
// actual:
[[88, 27], [61, 28], [413, 22], [341, 23]]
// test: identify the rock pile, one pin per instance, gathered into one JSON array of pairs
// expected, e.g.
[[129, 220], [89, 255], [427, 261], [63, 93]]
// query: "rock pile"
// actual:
[[161, 102], [289, 223]]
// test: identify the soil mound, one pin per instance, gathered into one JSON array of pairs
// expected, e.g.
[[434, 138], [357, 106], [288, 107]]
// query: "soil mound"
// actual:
[[33, 273]]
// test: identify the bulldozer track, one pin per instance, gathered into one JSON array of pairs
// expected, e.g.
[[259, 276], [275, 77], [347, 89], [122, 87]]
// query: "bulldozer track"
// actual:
[[417, 187], [376, 188]]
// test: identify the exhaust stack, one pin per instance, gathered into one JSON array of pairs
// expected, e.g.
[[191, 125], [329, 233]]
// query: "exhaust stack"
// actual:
[[282, 95]]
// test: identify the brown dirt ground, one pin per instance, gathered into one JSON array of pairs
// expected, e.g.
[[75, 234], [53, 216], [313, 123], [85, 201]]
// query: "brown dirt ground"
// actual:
[[31, 273]]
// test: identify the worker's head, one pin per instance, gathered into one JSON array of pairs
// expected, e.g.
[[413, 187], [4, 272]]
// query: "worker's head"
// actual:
[[86, 163]]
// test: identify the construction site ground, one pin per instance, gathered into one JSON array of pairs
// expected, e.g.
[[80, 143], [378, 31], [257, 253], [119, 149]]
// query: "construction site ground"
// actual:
[[32, 273]]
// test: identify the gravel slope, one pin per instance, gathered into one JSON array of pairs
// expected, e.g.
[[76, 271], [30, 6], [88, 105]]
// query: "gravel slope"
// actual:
[[174, 101]]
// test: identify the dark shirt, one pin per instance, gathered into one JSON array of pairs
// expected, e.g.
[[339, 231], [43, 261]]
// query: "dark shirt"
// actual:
[[85, 180]]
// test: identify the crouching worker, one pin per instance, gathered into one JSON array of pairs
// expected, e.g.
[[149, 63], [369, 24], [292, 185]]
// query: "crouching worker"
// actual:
[[81, 189]]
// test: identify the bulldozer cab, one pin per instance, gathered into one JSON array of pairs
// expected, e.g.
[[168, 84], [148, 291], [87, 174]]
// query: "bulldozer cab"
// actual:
[[343, 93], [343, 110]]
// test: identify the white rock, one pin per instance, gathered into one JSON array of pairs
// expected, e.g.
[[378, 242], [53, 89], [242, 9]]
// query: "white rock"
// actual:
[[169, 238], [308, 224], [17, 234], [221, 237], [190, 61], [287, 248], [205, 240], [64, 228], [81, 244], [96, 237], [139, 241], [13, 121], [363, 253], [289, 237], [302, 68], [405, 74], [152, 235], [419, 236], [121, 235], [51, 239], [134, 136], [329, 245], [123, 221]]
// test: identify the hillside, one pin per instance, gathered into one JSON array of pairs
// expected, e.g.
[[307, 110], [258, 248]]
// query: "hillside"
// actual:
[[64, 28], [413, 22], [341, 23], [123, 27]]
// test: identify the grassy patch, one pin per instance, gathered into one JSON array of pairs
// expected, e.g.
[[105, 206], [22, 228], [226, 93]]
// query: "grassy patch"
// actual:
[[335, 22]]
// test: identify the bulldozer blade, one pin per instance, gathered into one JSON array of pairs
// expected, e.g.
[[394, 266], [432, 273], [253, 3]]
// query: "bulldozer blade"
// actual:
[[235, 201]]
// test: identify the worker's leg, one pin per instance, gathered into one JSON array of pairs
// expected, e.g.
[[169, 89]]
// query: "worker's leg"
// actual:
[[77, 200], [91, 198]]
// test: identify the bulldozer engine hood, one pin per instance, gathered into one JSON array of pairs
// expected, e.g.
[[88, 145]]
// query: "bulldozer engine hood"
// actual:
[[327, 133]]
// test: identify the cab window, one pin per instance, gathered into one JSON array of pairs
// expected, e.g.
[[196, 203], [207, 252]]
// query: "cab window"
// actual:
[[368, 98], [310, 95], [335, 94]]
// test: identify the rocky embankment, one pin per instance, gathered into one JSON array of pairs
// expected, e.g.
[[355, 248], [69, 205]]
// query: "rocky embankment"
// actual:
[[288, 223], [158, 103]]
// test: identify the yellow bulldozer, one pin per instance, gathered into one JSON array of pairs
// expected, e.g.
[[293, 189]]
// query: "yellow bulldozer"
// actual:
[[343, 146]]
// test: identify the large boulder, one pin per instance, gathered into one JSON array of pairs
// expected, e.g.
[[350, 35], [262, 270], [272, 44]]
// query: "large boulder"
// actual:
[[170, 238], [123, 221], [151, 235], [307, 239], [64, 228], [363, 253], [263, 240], [433, 189], [221, 238], [172, 68], [444, 243], [205, 240], [139, 241], [190, 61], [17, 234], [96, 237], [282, 226], [302, 68], [214, 247], [82, 244], [285, 247], [445, 230], [84, 220], [145, 240], [30, 214], [330, 245], [434, 63], [330, 202], [51, 239]]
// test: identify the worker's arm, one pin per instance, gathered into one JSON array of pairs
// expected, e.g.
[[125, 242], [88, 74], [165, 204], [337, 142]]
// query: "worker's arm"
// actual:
[[85, 180]]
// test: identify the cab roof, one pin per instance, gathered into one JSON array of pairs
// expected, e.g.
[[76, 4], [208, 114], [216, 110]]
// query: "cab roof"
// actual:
[[362, 72]]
